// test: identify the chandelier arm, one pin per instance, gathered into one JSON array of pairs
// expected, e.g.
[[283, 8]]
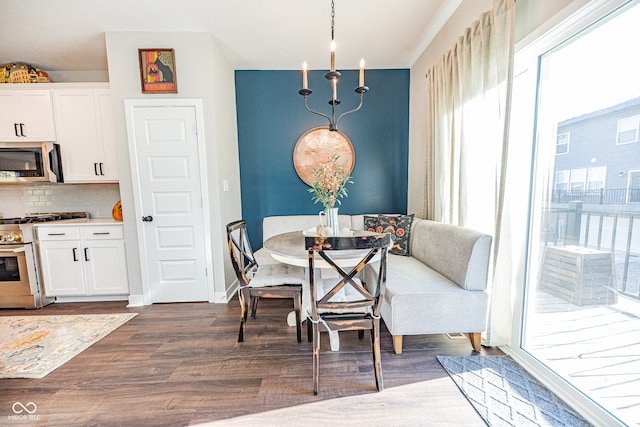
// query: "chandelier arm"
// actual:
[[315, 112], [351, 111]]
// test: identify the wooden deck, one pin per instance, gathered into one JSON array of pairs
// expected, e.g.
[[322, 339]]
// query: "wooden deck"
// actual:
[[597, 348]]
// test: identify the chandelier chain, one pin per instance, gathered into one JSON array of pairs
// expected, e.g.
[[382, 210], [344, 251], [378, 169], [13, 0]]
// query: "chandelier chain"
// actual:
[[333, 18]]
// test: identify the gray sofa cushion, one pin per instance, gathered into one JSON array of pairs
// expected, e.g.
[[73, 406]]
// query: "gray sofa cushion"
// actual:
[[460, 254], [419, 300]]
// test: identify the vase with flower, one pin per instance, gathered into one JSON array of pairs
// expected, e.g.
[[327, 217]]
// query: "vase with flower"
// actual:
[[328, 187]]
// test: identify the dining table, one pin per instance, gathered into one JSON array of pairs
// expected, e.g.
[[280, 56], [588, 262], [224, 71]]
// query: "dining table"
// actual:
[[289, 248]]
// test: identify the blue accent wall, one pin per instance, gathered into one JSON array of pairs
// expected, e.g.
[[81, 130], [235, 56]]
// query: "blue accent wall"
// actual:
[[272, 117]]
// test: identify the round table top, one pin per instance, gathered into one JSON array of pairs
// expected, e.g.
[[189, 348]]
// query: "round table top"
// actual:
[[289, 248]]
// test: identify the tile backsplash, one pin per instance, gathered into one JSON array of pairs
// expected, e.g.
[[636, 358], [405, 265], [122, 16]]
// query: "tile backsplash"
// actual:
[[96, 199]]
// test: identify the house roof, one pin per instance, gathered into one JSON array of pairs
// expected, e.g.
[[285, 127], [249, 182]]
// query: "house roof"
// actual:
[[630, 104], [69, 35]]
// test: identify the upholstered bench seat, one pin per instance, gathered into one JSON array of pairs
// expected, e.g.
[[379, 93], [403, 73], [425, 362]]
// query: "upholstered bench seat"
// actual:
[[419, 300]]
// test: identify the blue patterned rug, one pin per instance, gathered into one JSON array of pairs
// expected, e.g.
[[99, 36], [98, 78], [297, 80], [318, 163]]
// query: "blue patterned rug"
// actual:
[[504, 394]]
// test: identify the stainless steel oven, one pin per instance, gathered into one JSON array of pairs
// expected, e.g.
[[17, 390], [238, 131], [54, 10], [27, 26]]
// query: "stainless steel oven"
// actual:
[[18, 277], [22, 162]]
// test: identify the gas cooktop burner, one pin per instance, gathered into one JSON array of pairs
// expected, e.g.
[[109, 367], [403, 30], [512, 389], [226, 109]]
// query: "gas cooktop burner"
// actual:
[[43, 217]]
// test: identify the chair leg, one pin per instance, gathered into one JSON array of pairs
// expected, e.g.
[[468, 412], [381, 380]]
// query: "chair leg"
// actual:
[[244, 310], [254, 306], [316, 356], [297, 306], [375, 344]]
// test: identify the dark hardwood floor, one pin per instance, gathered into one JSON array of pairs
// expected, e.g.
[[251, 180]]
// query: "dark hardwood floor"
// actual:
[[181, 364]]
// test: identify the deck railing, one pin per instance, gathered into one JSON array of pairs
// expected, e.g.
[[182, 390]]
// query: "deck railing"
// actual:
[[614, 196], [617, 232]]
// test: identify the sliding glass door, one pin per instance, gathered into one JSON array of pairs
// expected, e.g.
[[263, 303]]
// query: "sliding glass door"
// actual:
[[580, 324]]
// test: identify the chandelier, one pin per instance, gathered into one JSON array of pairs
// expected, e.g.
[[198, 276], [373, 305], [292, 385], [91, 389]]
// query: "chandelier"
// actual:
[[333, 76]]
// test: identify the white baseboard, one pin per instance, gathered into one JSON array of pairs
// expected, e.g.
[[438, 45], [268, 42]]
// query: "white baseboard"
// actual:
[[136, 301], [231, 291], [93, 298]]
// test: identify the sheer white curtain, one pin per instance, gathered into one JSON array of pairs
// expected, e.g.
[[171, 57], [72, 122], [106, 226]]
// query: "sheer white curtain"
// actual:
[[469, 94]]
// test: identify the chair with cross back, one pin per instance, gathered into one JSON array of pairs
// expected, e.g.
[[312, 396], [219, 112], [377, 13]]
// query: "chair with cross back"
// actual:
[[346, 302], [268, 281]]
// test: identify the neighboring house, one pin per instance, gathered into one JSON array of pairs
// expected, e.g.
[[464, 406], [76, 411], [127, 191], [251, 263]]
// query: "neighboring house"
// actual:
[[598, 156]]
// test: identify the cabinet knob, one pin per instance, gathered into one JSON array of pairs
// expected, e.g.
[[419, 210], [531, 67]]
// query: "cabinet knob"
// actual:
[[147, 218]]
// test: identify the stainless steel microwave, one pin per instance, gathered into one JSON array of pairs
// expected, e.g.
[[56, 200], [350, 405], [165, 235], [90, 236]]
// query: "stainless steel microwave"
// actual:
[[22, 162]]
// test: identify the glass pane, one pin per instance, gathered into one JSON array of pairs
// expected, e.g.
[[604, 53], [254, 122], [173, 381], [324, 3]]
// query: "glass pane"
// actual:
[[9, 269], [25, 162], [562, 146], [627, 130], [582, 316]]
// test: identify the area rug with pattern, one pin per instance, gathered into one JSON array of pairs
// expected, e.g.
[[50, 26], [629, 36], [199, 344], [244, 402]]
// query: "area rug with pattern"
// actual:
[[34, 346], [505, 394]]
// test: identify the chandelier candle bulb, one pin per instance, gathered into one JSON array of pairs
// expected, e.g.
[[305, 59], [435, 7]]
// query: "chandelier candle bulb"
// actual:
[[334, 83], [333, 55], [305, 83], [361, 82]]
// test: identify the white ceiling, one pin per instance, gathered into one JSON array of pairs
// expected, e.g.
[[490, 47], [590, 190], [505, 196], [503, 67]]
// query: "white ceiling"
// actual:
[[68, 35]]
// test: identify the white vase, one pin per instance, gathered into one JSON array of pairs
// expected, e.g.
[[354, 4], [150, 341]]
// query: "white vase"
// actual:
[[332, 221]]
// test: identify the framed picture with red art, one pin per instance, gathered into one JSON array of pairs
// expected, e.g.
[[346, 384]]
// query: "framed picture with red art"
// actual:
[[158, 70]]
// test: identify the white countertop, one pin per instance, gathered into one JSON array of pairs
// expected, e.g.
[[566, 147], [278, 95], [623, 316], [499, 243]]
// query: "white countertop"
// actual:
[[79, 222]]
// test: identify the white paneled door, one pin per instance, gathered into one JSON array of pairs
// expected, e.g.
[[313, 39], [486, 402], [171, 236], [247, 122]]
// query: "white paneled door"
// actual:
[[169, 202]]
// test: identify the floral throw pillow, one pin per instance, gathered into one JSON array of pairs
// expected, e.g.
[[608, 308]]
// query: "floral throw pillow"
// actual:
[[400, 229], [370, 223]]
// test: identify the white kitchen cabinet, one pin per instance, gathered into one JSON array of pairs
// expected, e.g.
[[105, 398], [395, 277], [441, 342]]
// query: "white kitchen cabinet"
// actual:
[[26, 115], [83, 260], [85, 129], [62, 269]]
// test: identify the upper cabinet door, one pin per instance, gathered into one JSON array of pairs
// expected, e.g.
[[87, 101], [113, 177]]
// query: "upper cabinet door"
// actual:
[[26, 115], [106, 133], [84, 123]]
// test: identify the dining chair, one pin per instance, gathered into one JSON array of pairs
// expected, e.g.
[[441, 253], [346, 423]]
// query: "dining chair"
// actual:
[[347, 302], [255, 282]]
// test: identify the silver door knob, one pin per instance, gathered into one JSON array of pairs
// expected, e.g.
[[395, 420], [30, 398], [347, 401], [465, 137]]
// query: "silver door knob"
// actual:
[[147, 218]]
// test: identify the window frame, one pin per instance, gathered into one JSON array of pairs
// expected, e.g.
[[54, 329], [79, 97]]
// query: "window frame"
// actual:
[[597, 170], [636, 119], [567, 143], [558, 29]]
